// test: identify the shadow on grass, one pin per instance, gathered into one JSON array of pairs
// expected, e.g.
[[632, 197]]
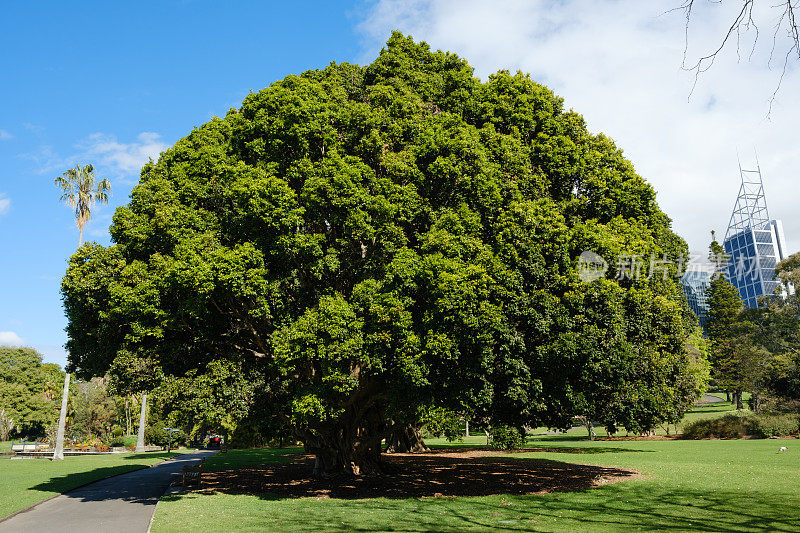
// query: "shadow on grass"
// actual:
[[531, 447], [418, 475], [70, 481], [476, 491], [644, 508], [150, 455], [139, 483], [707, 408], [638, 506]]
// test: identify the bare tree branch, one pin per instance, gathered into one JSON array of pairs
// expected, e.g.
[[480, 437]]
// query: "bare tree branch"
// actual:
[[742, 24]]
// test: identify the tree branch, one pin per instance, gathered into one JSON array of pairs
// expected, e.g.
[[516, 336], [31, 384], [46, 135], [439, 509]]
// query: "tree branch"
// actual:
[[743, 23]]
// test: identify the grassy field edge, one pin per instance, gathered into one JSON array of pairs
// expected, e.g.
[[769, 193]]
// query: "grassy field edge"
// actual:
[[29, 482]]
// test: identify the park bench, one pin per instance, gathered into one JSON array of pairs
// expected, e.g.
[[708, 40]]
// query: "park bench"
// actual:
[[24, 446], [192, 475]]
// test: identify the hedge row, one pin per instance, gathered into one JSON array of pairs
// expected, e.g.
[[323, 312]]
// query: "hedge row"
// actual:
[[732, 426]]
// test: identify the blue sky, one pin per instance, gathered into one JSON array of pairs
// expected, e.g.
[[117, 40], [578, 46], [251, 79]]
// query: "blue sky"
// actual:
[[113, 83], [110, 83]]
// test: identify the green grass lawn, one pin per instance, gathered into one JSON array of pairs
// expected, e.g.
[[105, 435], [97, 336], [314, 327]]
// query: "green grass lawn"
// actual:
[[712, 410], [24, 482], [745, 396], [736, 485], [733, 485], [245, 458]]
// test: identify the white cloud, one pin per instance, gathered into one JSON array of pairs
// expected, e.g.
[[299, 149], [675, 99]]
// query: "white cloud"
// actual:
[[4, 135], [619, 64], [46, 160], [9, 337], [123, 158], [111, 158], [5, 204], [33, 128]]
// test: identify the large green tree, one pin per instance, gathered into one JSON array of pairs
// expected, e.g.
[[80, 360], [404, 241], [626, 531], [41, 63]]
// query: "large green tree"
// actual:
[[724, 306], [768, 339], [93, 411], [29, 390], [757, 349], [723, 327], [365, 244], [788, 274]]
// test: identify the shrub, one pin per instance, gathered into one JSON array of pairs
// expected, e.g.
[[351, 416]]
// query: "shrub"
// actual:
[[441, 422], [129, 440], [156, 434], [159, 436], [506, 438], [733, 426], [777, 425], [775, 405], [117, 432], [117, 442], [729, 426]]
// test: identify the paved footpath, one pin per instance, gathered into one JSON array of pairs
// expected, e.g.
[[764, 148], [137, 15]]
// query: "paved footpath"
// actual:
[[707, 398], [120, 504]]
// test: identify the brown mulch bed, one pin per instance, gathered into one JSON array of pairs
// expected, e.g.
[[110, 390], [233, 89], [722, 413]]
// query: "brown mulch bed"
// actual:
[[420, 475]]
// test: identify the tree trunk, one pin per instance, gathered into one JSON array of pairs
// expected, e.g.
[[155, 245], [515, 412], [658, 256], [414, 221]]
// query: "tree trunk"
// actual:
[[350, 445], [467, 424], [142, 422], [58, 453], [488, 439], [128, 418], [728, 396], [406, 438], [738, 395], [590, 427]]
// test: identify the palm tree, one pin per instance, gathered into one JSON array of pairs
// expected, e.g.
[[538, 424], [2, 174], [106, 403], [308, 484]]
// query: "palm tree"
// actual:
[[80, 193]]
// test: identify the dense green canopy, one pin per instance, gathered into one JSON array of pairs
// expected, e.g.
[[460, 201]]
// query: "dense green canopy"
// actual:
[[357, 244], [30, 392], [757, 350]]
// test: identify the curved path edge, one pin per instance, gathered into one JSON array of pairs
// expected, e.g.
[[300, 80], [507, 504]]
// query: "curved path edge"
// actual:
[[123, 502], [82, 485]]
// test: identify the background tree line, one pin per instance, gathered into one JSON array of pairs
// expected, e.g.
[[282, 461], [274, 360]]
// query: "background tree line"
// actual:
[[757, 350], [98, 412]]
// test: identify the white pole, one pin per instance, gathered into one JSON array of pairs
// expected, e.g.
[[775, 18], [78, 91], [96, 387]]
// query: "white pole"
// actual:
[[142, 419], [58, 454]]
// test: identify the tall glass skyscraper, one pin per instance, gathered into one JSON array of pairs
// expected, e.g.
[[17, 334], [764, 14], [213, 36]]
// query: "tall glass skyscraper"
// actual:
[[754, 243], [695, 282]]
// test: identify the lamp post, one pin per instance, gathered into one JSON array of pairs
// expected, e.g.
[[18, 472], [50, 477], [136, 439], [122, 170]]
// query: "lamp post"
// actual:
[[171, 431]]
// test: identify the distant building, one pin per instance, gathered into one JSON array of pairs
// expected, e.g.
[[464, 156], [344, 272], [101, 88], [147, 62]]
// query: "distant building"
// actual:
[[754, 242], [695, 283]]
